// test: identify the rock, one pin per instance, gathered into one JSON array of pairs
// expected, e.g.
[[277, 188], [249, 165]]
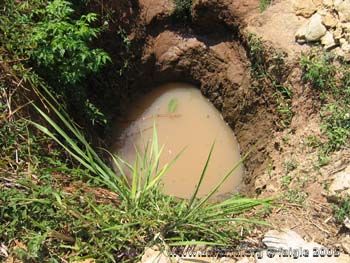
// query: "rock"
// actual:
[[306, 8], [153, 255], [328, 41], [328, 3], [346, 28], [340, 54], [346, 57], [347, 222], [345, 46], [301, 33], [311, 31], [322, 11], [285, 239], [315, 29], [345, 243], [329, 20], [341, 182], [343, 9], [338, 33], [3, 251], [342, 41], [290, 240], [337, 3]]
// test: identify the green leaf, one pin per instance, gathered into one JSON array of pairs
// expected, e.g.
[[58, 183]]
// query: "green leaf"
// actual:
[[172, 105]]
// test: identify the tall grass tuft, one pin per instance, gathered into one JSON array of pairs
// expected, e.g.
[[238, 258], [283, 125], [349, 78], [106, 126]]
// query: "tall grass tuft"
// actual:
[[143, 205]]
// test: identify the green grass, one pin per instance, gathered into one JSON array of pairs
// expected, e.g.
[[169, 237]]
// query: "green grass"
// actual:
[[295, 196], [319, 71], [332, 84], [286, 180], [54, 223], [342, 210], [313, 141], [263, 4]]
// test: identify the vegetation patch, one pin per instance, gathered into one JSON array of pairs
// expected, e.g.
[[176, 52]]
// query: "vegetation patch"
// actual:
[[269, 73], [342, 210], [182, 10], [331, 81], [263, 4], [49, 37]]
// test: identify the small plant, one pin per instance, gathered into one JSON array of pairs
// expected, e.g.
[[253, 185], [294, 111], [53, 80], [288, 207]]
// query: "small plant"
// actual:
[[295, 196], [126, 46], [256, 54], [319, 71], [172, 105], [270, 73], [313, 141], [322, 158], [94, 114], [263, 4], [342, 210], [290, 165], [283, 97], [286, 180], [182, 10], [336, 125]]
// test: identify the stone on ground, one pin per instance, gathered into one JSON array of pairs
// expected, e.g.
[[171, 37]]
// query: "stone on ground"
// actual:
[[341, 183]]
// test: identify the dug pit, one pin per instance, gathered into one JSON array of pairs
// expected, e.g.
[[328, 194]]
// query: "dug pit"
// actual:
[[219, 62], [242, 79]]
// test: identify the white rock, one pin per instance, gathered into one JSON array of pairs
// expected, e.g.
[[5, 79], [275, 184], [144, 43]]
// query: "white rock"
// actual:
[[322, 11], [290, 240], [3, 250], [305, 8], [329, 20], [315, 29], [347, 222], [339, 52], [346, 27], [153, 255], [328, 3], [338, 33], [328, 41], [343, 9], [345, 243], [300, 34], [337, 3], [341, 180], [345, 46]]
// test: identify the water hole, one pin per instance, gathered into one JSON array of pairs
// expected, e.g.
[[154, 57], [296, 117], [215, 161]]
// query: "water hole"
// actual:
[[183, 118]]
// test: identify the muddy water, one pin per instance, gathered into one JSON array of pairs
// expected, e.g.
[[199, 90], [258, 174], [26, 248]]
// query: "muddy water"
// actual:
[[184, 118]]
